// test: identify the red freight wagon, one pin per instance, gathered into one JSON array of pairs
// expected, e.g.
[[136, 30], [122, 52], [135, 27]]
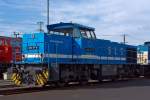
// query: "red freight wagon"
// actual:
[[10, 52], [5, 50]]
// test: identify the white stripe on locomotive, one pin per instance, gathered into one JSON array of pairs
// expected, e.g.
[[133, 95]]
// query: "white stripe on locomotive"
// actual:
[[95, 57]]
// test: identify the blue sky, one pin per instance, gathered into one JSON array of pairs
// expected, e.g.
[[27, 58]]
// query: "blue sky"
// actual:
[[109, 17]]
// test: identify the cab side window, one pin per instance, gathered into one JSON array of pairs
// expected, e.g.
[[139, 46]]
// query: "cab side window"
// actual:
[[84, 34], [93, 34]]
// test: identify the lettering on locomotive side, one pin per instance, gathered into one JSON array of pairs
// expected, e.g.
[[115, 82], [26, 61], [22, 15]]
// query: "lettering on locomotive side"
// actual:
[[32, 47], [54, 41]]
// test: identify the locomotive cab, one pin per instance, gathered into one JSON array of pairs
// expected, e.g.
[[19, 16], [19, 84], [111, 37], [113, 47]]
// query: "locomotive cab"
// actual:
[[73, 30]]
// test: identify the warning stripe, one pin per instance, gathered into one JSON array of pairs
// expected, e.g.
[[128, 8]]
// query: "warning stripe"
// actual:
[[45, 75], [42, 78], [17, 81], [39, 80], [13, 76], [16, 78]]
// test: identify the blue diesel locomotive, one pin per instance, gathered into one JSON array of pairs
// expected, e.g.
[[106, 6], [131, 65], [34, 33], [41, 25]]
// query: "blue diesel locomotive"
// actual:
[[71, 52]]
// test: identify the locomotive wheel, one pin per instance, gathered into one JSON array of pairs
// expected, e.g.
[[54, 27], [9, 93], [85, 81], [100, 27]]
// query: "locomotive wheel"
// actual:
[[30, 78]]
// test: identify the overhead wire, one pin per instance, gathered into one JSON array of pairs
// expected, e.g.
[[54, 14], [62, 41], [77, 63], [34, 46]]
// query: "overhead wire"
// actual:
[[135, 38]]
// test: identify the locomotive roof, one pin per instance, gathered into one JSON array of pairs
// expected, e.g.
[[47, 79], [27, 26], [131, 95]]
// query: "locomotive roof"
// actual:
[[68, 25]]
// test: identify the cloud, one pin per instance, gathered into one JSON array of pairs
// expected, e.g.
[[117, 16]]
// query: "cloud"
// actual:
[[109, 17]]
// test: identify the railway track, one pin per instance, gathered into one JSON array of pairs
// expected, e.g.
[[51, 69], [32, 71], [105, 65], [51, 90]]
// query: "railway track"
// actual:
[[20, 90], [6, 84]]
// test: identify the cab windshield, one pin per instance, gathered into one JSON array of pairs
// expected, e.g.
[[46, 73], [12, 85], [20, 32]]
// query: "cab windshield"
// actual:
[[88, 34]]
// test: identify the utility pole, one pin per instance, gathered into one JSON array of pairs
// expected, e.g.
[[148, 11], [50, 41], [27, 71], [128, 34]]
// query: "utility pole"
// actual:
[[48, 15], [48, 12], [40, 26], [124, 38]]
